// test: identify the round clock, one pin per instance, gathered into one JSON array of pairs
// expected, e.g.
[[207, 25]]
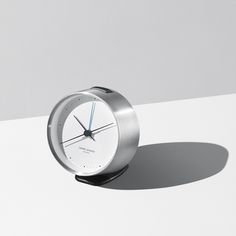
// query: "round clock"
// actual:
[[94, 134]]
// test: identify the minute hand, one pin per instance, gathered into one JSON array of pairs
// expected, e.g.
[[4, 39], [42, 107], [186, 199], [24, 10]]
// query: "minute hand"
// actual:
[[101, 127], [72, 138]]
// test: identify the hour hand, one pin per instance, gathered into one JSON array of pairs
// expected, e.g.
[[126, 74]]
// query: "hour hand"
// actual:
[[92, 137], [80, 122]]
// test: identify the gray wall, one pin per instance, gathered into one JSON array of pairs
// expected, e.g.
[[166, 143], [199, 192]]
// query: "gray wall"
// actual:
[[148, 50]]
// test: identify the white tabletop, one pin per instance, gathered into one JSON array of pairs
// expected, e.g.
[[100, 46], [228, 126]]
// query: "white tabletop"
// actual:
[[181, 182]]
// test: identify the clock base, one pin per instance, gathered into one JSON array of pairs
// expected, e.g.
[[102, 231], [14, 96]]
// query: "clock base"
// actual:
[[99, 180]]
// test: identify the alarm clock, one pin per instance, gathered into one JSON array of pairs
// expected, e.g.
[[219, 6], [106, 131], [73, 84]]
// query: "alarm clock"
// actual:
[[94, 134]]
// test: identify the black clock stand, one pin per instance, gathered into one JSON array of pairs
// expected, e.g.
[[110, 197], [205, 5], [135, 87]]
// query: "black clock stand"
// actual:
[[102, 179]]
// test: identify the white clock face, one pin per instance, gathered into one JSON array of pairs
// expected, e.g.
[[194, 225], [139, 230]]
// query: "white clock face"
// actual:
[[89, 136]]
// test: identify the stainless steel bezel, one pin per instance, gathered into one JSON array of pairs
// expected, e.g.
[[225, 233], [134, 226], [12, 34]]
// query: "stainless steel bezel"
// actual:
[[127, 123]]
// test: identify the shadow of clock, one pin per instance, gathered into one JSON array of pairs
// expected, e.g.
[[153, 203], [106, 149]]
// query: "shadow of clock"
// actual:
[[171, 164]]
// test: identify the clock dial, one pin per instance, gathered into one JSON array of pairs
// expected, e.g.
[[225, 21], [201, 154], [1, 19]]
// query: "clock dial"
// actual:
[[89, 136]]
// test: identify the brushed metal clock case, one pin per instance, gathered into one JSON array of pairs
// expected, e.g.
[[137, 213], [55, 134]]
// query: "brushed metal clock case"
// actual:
[[128, 126]]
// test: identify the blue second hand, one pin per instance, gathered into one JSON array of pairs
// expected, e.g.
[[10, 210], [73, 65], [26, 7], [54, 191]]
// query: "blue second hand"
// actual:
[[91, 115]]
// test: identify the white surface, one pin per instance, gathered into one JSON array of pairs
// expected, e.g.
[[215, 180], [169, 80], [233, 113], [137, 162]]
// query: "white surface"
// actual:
[[38, 197]]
